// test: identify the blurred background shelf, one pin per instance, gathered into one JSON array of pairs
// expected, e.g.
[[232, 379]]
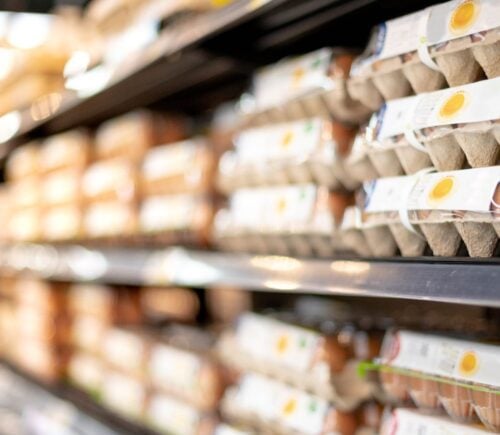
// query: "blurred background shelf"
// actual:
[[459, 280], [195, 66]]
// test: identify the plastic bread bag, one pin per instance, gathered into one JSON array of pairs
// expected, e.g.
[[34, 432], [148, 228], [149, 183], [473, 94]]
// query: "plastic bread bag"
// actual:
[[310, 85], [65, 150], [131, 135], [307, 359], [439, 371], [412, 422], [279, 220], [309, 150], [275, 408], [453, 43], [111, 180], [436, 209], [190, 376], [175, 218], [168, 415], [181, 167], [111, 220]]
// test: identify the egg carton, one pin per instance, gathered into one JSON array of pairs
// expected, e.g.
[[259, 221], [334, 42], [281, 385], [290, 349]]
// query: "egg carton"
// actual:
[[442, 50], [384, 233], [314, 84], [449, 130], [465, 400]]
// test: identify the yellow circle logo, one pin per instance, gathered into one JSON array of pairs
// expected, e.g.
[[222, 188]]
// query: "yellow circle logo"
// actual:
[[453, 105], [464, 16], [282, 344], [290, 407], [469, 364], [442, 189], [287, 139], [298, 75], [281, 206]]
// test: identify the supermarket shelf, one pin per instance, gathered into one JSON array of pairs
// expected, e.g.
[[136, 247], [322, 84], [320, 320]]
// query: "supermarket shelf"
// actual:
[[29, 406], [196, 65], [461, 280]]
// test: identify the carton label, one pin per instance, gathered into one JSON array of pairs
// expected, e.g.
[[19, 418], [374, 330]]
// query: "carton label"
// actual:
[[172, 416], [273, 401], [269, 340], [107, 176], [123, 349], [441, 356], [459, 18], [293, 77], [224, 429], [283, 141], [107, 218], [169, 160], [62, 222], [174, 368], [171, 212], [394, 118], [466, 190]]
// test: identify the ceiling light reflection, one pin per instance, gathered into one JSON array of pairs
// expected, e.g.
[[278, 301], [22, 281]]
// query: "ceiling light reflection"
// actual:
[[283, 285], [9, 125], [276, 263], [350, 267]]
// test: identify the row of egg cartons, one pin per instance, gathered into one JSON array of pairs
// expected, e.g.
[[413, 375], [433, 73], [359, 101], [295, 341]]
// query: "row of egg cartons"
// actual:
[[441, 375], [125, 183], [449, 44]]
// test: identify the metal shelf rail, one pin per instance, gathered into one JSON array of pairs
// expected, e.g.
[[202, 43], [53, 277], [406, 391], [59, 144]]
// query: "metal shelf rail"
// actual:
[[461, 280]]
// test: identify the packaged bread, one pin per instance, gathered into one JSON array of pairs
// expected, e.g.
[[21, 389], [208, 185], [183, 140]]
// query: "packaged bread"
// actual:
[[24, 225], [304, 151], [173, 218], [182, 167], [187, 375], [65, 150], [281, 220], [126, 349], [271, 407], [42, 295], [168, 415], [106, 304], [62, 223], [124, 394], [131, 135], [439, 371], [110, 219], [305, 358], [61, 187], [23, 162], [305, 86], [410, 422], [86, 372], [114, 179], [436, 209], [449, 44], [448, 129]]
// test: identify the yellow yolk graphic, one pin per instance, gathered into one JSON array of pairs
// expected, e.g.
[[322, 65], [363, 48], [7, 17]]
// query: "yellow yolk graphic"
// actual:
[[464, 16], [469, 364], [441, 189], [453, 105], [282, 344], [290, 407], [298, 75], [287, 139], [281, 207]]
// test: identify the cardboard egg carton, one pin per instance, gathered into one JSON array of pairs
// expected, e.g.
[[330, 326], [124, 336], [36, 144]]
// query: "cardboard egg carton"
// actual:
[[449, 129], [304, 358], [274, 408], [439, 210], [284, 220], [412, 422], [314, 84], [449, 44], [305, 151], [440, 372]]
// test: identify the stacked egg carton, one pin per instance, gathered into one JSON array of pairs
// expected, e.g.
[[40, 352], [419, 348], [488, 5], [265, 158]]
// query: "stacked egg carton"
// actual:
[[441, 375], [408, 209], [289, 379], [176, 190], [111, 184], [288, 158]]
